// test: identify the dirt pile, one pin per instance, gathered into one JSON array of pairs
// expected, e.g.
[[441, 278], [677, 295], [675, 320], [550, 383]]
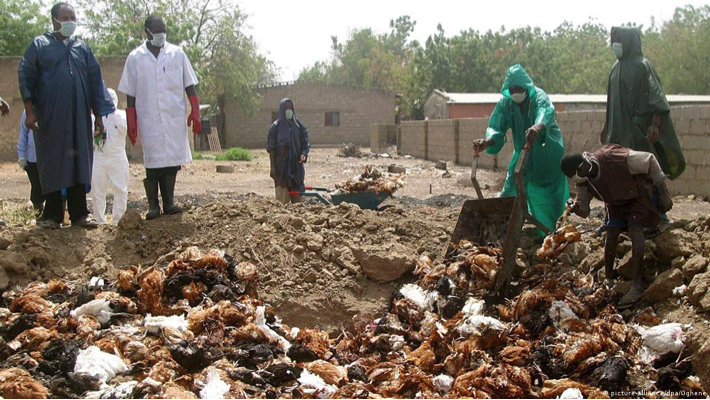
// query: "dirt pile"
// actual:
[[309, 257]]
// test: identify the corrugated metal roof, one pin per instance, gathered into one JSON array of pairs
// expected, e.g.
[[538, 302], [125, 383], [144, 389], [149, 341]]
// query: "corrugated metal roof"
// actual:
[[492, 98]]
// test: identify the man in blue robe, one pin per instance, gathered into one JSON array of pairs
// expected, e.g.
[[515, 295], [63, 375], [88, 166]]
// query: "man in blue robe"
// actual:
[[288, 148], [61, 86]]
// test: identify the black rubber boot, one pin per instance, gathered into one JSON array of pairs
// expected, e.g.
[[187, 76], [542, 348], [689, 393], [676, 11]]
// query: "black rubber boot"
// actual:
[[151, 192], [167, 192]]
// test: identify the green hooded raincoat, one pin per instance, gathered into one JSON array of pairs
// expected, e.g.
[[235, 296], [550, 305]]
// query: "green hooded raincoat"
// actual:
[[634, 94], [546, 184]]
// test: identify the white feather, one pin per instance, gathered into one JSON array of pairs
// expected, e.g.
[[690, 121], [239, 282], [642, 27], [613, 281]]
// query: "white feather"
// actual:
[[473, 306], [215, 387], [260, 322], [423, 299], [154, 324], [96, 364], [560, 312], [571, 393], [477, 324], [315, 385], [660, 340], [121, 391], [443, 383], [99, 308], [397, 342]]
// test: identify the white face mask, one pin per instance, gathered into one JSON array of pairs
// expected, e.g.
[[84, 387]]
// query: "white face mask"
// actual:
[[518, 97], [68, 28], [289, 114], [158, 38], [617, 49]]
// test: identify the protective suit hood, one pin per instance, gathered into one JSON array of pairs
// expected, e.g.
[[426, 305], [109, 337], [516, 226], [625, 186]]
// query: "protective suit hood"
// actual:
[[282, 110], [516, 76], [114, 97], [630, 41]]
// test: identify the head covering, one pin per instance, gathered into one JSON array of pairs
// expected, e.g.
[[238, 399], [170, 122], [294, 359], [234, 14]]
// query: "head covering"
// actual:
[[630, 42], [516, 76], [114, 96]]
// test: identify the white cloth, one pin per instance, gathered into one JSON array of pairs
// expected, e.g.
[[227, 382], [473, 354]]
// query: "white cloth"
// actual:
[[158, 84], [111, 167]]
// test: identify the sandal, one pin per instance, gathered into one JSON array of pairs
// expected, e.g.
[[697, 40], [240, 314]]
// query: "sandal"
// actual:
[[86, 222]]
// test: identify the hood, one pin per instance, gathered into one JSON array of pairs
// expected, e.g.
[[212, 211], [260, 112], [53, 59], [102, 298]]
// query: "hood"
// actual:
[[516, 76], [282, 109], [114, 97], [630, 41]]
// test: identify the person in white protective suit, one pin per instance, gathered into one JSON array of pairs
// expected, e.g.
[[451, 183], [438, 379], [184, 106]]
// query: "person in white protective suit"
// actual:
[[110, 166]]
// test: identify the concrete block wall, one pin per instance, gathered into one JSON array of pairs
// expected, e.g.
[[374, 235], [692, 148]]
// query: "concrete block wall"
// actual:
[[693, 126], [413, 138], [443, 138], [581, 131], [378, 138]]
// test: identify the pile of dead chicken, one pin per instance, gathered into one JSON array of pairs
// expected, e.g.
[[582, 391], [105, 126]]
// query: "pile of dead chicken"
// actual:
[[373, 180], [194, 327]]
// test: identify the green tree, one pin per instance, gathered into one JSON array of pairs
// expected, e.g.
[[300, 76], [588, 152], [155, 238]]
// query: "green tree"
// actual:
[[212, 33], [21, 21], [680, 50]]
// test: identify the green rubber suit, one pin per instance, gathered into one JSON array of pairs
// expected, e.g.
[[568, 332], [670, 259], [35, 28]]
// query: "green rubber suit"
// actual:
[[546, 185]]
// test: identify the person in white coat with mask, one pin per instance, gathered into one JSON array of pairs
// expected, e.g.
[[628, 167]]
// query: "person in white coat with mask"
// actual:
[[110, 171], [155, 79]]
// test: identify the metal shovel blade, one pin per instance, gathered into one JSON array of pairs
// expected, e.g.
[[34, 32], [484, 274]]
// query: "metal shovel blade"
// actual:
[[484, 221]]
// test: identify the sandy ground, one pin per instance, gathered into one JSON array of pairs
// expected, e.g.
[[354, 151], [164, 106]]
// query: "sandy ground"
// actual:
[[199, 179]]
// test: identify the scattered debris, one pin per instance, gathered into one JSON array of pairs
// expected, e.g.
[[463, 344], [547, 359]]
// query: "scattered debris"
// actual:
[[350, 150]]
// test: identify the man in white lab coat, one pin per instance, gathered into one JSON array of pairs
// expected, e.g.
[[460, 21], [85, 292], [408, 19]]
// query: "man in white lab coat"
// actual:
[[156, 77], [110, 166]]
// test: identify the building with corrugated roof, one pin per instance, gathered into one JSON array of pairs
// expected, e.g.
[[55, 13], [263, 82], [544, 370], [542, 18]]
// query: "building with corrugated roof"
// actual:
[[443, 105]]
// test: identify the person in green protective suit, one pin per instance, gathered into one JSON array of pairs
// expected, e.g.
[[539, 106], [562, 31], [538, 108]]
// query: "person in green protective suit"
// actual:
[[637, 112], [527, 111]]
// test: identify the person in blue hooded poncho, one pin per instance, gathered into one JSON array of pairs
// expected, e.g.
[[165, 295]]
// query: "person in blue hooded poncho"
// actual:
[[527, 111], [288, 148], [61, 86]]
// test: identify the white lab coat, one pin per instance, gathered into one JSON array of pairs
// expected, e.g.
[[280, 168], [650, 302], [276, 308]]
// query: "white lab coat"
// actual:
[[110, 169], [159, 88]]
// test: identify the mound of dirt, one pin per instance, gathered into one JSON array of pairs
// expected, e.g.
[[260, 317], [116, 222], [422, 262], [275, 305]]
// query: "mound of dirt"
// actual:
[[306, 254]]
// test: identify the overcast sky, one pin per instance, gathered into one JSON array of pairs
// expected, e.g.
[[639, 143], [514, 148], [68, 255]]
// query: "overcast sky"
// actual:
[[295, 34]]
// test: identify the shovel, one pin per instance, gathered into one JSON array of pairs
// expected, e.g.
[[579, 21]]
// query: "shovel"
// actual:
[[474, 169]]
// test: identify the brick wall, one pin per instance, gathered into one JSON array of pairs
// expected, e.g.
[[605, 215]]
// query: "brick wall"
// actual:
[[434, 140], [358, 109]]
